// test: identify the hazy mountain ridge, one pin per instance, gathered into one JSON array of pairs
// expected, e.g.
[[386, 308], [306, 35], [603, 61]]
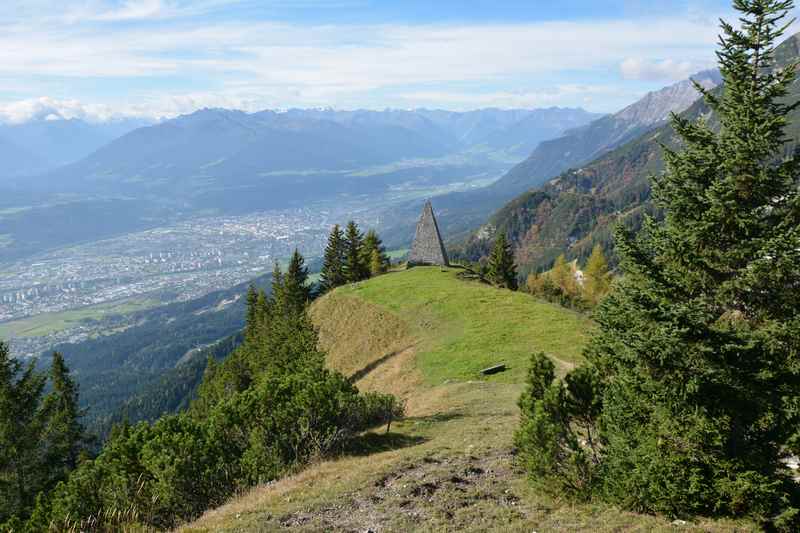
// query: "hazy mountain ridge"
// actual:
[[580, 207], [232, 162], [501, 128], [656, 106], [17, 160], [227, 147], [588, 142], [461, 212], [42, 144]]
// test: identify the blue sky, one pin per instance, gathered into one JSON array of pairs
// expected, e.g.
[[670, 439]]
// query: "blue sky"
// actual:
[[98, 59]]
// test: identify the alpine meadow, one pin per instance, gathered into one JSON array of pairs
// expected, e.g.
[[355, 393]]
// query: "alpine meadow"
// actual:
[[399, 266]]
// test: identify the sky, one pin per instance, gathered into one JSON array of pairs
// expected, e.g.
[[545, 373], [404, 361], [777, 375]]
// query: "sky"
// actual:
[[106, 59]]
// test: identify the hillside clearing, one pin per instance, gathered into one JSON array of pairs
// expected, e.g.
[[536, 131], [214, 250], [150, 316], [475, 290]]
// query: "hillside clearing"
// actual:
[[424, 335]]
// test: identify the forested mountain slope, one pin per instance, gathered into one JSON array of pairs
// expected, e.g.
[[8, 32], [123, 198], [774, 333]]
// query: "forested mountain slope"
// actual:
[[580, 207], [424, 335], [154, 366]]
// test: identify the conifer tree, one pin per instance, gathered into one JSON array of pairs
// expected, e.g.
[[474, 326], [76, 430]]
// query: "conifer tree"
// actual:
[[276, 302], [21, 423], [501, 269], [374, 253], [596, 278], [251, 319], [555, 419], [277, 282], [355, 268], [332, 274], [260, 314], [534, 283], [63, 438], [263, 308], [697, 346], [295, 289]]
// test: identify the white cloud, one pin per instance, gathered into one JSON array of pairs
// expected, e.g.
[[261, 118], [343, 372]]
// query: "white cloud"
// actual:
[[257, 64], [663, 70], [560, 95], [132, 10], [352, 56], [45, 108]]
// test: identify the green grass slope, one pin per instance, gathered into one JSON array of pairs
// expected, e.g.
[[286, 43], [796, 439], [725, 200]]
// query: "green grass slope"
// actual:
[[424, 335], [463, 327]]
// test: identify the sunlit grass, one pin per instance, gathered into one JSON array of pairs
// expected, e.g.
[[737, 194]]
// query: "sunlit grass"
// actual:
[[464, 327]]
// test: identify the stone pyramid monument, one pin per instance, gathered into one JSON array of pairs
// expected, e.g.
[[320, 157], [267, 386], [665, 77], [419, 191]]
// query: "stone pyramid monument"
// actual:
[[427, 248]]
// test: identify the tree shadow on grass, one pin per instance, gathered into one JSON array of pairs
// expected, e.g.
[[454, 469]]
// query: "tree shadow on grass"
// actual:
[[378, 362], [371, 442], [378, 440]]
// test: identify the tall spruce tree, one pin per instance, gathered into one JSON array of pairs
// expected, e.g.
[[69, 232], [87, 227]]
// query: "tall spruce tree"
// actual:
[[276, 283], [501, 269], [263, 310], [296, 291], [698, 347], [332, 274], [374, 253], [21, 423], [355, 267], [63, 439], [251, 317]]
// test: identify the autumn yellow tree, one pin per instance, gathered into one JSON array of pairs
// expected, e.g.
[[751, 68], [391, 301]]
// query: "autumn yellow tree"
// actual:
[[562, 276], [596, 277]]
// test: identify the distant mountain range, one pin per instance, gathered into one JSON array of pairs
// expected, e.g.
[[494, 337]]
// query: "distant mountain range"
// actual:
[[17, 160], [515, 130], [215, 148], [460, 212], [588, 142], [39, 145], [230, 162], [580, 207]]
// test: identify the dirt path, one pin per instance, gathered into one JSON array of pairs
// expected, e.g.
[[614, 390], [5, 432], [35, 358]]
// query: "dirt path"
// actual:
[[437, 489]]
